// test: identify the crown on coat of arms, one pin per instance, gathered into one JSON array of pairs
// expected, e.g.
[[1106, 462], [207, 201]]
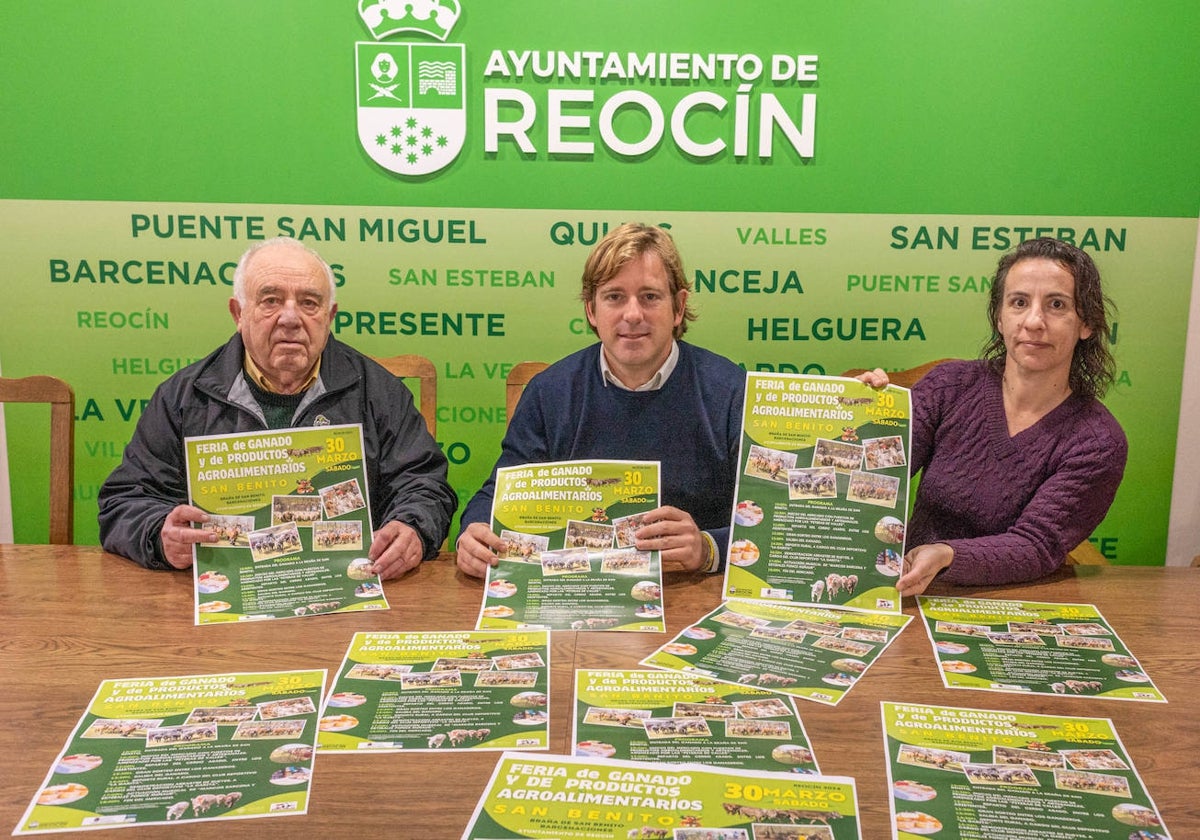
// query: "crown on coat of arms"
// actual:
[[387, 17]]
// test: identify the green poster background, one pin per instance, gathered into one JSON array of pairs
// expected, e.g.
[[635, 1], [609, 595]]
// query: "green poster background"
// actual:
[[842, 434], [940, 134], [613, 708], [1066, 649], [571, 562], [547, 796], [1071, 771], [287, 561], [161, 749], [812, 652], [493, 693]]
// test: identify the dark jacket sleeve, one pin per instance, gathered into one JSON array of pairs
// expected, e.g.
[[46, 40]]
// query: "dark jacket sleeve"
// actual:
[[148, 483], [411, 469]]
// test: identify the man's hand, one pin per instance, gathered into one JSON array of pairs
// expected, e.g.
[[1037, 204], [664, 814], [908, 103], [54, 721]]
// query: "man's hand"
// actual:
[[921, 566], [178, 536], [395, 550], [476, 549], [675, 535]]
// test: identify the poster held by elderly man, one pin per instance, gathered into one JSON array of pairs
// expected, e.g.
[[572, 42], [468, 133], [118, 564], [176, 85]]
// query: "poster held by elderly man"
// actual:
[[182, 749], [558, 796], [570, 560], [290, 509], [822, 494]]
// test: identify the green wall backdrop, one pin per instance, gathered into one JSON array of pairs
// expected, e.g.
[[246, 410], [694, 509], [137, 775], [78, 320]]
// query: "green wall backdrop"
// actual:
[[145, 146]]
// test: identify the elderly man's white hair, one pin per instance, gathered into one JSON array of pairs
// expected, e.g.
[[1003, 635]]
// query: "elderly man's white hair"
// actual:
[[239, 274]]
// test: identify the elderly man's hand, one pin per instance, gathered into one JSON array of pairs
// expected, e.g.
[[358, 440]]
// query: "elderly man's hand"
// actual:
[[676, 537], [396, 549], [476, 549], [178, 536]]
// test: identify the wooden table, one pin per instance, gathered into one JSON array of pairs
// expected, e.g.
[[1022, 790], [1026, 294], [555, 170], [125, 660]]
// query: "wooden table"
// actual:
[[73, 616]]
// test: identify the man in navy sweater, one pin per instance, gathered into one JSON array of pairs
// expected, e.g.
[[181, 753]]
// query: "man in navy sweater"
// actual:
[[638, 394]]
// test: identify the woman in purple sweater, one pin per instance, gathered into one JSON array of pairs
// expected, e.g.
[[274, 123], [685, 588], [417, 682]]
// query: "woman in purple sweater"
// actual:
[[1019, 460]]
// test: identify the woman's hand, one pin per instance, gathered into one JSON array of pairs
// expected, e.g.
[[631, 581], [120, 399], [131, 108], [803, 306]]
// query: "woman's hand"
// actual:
[[875, 378], [921, 566]]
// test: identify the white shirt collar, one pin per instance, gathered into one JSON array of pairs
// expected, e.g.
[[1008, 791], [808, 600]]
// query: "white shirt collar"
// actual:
[[655, 382]]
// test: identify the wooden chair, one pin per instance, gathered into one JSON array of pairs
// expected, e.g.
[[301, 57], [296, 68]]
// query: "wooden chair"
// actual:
[[1084, 554], [518, 378], [417, 367], [56, 392]]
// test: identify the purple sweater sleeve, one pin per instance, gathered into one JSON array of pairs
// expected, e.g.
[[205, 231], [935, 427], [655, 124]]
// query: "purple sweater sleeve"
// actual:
[[1010, 507]]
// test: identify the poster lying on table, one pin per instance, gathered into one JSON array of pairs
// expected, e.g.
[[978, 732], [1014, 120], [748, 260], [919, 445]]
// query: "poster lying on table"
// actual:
[[1029, 646], [977, 774], [440, 691], [290, 509], [548, 796], [181, 749], [817, 653], [672, 717], [822, 493], [570, 561]]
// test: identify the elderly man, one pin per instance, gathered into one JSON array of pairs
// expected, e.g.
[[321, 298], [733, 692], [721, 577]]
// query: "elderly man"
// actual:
[[281, 369], [639, 394]]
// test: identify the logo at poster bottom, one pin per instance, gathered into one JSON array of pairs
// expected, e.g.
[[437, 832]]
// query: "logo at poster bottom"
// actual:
[[411, 105]]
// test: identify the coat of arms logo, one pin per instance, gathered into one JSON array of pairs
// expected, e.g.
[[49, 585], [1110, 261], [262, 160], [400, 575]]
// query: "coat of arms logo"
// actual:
[[412, 117]]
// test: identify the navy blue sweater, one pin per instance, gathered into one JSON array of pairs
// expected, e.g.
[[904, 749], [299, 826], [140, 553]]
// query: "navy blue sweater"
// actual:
[[692, 425]]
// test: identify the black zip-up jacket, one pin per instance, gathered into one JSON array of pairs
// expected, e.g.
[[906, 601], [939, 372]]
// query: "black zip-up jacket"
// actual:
[[406, 472]]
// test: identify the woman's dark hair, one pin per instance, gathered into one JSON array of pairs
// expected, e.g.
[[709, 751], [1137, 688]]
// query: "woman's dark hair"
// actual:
[[1092, 366]]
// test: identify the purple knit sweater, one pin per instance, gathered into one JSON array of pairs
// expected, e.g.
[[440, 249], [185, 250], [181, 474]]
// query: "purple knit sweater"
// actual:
[[1010, 507]]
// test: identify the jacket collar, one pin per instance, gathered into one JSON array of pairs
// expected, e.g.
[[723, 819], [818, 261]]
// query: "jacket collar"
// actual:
[[222, 376]]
